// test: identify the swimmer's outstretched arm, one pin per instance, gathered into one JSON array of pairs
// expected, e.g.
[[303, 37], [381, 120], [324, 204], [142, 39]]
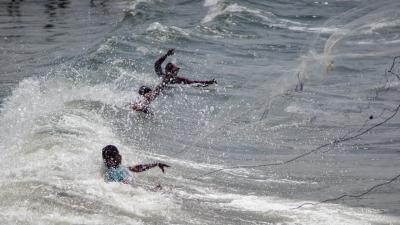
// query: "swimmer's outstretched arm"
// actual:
[[157, 65], [143, 167], [184, 80]]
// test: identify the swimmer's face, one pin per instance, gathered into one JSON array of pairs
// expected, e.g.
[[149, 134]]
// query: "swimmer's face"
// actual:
[[171, 70], [175, 71], [113, 161], [148, 95]]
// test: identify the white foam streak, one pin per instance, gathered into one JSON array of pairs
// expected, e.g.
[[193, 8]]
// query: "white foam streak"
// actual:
[[136, 2], [156, 26], [211, 2], [318, 214], [216, 9]]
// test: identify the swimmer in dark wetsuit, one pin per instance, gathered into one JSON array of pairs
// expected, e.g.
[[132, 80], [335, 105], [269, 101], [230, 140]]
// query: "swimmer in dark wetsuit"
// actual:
[[170, 76], [148, 96]]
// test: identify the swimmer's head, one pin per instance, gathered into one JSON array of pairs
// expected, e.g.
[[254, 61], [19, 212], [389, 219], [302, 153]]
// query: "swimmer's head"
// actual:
[[111, 156], [144, 90], [171, 69]]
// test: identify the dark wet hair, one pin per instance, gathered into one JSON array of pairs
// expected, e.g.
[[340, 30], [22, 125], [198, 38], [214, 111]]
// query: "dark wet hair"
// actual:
[[170, 68], [144, 90], [111, 156]]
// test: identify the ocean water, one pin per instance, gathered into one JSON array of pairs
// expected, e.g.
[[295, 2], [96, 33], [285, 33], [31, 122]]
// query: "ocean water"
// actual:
[[305, 110]]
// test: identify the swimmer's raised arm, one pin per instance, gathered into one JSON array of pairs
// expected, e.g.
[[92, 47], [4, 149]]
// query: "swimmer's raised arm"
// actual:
[[157, 65], [143, 167]]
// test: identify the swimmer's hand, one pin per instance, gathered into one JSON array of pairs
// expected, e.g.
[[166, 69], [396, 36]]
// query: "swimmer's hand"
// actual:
[[208, 82], [136, 107], [161, 166], [171, 51], [213, 81]]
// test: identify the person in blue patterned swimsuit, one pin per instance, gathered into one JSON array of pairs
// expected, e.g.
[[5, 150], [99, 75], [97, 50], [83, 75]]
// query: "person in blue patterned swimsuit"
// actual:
[[115, 172]]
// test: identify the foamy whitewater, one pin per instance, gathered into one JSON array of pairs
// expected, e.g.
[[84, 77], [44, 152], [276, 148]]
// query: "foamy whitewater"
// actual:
[[293, 77]]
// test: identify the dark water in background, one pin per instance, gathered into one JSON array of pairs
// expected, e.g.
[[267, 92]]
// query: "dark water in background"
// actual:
[[68, 68]]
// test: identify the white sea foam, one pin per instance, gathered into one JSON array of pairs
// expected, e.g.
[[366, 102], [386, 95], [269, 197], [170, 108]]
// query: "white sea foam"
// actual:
[[285, 208], [168, 31], [324, 30], [216, 9], [156, 26], [295, 108], [142, 49], [319, 214], [57, 146], [134, 3], [211, 2], [378, 25]]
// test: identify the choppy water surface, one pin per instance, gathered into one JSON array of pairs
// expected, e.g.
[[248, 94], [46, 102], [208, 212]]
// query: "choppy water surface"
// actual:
[[69, 67]]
